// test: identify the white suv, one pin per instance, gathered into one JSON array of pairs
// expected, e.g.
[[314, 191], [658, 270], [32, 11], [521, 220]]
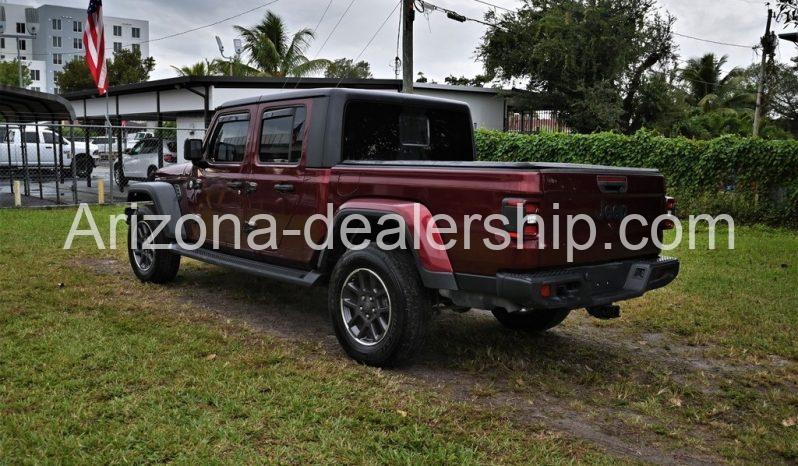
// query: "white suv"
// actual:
[[141, 162]]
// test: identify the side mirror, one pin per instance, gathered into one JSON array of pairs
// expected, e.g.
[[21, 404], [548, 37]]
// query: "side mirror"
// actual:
[[128, 151], [192, 150]]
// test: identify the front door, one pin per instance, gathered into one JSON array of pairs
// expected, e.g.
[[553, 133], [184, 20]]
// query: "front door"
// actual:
[[216, 192]]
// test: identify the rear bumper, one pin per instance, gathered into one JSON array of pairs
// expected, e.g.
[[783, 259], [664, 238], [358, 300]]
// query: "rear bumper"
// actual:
[[577, 287]]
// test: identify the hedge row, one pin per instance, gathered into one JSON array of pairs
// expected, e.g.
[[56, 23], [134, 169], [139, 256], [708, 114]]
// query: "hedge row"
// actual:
[[752, 179]]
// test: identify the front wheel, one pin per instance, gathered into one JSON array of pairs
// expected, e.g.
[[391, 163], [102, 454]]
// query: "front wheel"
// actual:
[[379, 308], [119, 176], [84, 165], [150, 265], [533, 320]]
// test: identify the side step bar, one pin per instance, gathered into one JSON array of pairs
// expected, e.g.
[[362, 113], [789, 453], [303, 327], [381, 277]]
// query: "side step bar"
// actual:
[[261, 269]]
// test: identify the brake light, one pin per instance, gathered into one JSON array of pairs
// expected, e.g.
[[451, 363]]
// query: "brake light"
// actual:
[[169, 158], [670, 208], [529, 221]]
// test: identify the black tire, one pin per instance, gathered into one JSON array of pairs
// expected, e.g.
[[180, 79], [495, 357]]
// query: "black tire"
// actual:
[[161, 265], [151, 173], [84, 165], [531, 321], [119, 176], [408, 302]]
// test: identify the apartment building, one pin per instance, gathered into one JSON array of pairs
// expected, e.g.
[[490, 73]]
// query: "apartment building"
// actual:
[[49, 36]]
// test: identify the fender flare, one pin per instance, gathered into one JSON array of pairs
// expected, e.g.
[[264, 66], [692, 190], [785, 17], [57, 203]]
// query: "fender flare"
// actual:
[[164, 196], [433, 264]]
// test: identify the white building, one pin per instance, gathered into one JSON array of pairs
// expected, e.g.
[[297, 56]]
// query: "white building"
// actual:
[[49, 36]]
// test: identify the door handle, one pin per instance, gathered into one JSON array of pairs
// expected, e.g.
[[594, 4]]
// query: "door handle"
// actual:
[[284, 188], [235, 185], [250, 187]]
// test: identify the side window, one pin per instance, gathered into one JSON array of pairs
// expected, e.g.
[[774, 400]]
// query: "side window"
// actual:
[[48, 137], [7, 136], [282, 135], [229, 140], [31, 137]]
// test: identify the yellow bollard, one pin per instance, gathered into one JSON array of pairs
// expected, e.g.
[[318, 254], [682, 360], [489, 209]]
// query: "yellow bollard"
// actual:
[[101, 191], [17, 193]]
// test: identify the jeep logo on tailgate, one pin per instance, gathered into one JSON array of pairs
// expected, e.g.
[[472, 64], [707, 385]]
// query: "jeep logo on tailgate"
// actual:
[[612, 212]]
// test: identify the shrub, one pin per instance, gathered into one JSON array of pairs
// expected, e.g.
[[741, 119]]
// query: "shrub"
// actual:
[[753, 180]]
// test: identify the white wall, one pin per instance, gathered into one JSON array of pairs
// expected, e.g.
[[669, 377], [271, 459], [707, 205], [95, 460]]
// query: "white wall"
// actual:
[[487, 110], [188, 128]]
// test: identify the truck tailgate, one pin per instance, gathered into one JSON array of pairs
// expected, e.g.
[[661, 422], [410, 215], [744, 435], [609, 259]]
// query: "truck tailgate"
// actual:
[[606, 196]]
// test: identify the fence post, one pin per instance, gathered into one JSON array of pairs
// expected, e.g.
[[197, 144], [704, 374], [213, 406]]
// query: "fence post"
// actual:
[[17, 194], [100, 191], [39, 158], [109, 145], [23, 157], [58, 161], [74, 164], [8, 153]]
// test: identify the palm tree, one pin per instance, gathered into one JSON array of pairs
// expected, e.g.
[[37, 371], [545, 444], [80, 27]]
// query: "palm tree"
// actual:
[[202, 68], [271, 51], [711, 90]]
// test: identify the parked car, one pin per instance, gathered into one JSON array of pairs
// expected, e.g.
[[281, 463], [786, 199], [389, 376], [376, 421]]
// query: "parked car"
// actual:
[[141, 162], [372, 154], [132, 138], [45, 153], [106, 147]]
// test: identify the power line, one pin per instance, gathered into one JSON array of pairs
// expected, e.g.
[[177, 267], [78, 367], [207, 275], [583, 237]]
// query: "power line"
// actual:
[[451, 13], [373, 36], [713, 41], [495, 6], [314, 35]]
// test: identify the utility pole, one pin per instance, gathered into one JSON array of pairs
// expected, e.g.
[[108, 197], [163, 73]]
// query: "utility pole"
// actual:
[[768, 47], [408, 16]]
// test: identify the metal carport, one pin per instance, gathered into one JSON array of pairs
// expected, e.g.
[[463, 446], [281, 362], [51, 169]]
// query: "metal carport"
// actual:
[[23, 106]]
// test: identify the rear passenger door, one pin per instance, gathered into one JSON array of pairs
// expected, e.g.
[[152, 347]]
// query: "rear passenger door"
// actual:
[[277, 179]]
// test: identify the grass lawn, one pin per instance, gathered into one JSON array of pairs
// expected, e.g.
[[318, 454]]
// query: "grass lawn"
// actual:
[[102, 369], [97, 367]]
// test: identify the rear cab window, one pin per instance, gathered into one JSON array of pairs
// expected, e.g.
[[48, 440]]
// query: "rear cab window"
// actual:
[[229, 141], [376, 131]]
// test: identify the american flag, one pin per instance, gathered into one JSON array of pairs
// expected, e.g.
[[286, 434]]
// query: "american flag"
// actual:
[[94, 43]]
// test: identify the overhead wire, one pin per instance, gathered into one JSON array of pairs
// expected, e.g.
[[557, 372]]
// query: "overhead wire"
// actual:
[[373, 37]]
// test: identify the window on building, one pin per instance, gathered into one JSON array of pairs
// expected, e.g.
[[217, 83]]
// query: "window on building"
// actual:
[[230, 139], [136, 32], [57, 41], [118, 31], [282, 134], [23, 44], [136, 47], [58, 59], [21, 28], [2, 42], [117, 46], [56, 24], [35, 75], [77, 43], [77, 26]]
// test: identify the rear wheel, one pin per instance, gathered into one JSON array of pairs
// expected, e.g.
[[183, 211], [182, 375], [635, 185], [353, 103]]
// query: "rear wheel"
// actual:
[[532, 321], [150, 265], [379, 308], [84, 165]]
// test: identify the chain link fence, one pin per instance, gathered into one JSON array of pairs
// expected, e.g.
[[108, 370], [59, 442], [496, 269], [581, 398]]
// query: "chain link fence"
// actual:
[[56, 164]]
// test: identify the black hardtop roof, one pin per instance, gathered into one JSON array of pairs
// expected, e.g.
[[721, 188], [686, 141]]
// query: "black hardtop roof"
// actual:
[[347, 94]]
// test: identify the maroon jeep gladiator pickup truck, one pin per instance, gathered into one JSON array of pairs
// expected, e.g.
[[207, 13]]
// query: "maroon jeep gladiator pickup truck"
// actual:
[[395, 163]]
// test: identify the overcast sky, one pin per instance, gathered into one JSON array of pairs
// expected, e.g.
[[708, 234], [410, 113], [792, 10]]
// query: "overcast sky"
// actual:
[[443, 46]]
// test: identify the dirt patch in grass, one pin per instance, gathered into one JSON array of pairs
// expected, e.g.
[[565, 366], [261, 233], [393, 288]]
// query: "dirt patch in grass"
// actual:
[[470, 358]]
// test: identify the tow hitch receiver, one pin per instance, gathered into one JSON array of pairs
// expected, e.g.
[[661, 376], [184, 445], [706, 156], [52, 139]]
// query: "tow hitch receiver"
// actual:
[[605, 312]]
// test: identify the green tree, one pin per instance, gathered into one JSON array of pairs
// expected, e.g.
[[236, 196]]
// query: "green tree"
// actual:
[[9, 74], [709, 88], [272, 52], [344, 68], [126, 67], [216, 67], [477, 81], [589, 58]]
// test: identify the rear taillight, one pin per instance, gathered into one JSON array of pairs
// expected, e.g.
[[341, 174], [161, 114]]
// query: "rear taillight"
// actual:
[[169, 158], [525, 211], [670, 208]]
